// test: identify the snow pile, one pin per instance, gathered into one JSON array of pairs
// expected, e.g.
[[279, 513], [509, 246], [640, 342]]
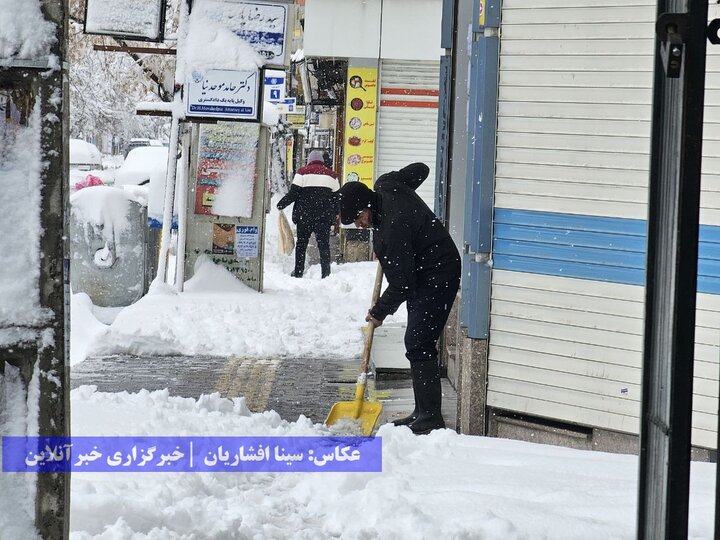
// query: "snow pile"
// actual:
[[24, 32], [210, 278], [219, 316], [85, 327], [270, 114], [442, 485], [20, 169]]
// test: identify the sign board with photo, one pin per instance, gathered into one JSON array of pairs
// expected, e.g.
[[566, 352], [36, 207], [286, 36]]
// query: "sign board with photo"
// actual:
[[224, 93], [227, 198], [140, 20], [262, 24], [226, 169]]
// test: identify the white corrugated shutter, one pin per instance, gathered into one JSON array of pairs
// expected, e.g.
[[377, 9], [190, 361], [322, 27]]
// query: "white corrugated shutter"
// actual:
[[407, 119], [575, 98], [573, 143]]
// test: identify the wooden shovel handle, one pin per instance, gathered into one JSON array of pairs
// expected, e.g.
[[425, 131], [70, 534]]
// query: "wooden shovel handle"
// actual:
[[371, 326]]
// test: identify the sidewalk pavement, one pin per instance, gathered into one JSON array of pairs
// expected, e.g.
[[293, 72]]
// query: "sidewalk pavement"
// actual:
[[290, 386]]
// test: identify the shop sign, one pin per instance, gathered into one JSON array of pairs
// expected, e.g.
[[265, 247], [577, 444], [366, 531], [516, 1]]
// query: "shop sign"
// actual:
[[360, 119], [286, 106]]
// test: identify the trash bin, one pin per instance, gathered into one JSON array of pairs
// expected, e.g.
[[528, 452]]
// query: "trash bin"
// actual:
[[108, 237]]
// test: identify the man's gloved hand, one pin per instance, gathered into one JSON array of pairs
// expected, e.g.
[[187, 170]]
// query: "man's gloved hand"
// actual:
[[369, 318]]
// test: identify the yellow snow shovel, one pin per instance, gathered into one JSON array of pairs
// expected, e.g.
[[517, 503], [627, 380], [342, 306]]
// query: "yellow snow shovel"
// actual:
[[366, 413]]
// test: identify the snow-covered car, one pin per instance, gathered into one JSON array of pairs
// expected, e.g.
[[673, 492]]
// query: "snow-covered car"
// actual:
[[139, 142], [140, 164], [84, 156], [85, 161]]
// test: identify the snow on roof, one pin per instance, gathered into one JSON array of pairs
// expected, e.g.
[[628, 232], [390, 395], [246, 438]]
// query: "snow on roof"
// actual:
[[24, 33]]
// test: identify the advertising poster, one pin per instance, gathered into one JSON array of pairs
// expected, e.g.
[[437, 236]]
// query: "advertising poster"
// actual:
[[247, 239], [225, 176], [360, 119], [223, 239]]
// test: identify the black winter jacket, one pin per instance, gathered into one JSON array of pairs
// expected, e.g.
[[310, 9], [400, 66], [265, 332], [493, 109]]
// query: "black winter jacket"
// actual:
[[413, 247], [313, 192]]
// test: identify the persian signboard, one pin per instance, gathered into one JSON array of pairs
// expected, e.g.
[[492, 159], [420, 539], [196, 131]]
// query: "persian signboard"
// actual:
[[262, 25], [223, 93]]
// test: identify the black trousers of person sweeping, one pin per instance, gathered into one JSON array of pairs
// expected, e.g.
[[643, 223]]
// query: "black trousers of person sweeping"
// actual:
[[428, 310], [321, 229]]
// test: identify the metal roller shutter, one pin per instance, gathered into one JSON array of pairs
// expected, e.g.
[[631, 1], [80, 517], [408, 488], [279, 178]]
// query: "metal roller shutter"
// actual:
[[573, 142], [407, 118]]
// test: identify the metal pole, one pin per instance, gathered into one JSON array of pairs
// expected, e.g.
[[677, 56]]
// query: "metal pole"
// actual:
[[52, 502], [671, 272], [181, 196], [169, 191]]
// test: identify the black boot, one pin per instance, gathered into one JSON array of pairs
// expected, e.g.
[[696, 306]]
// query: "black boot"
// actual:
[[428, 397], [413, 415]]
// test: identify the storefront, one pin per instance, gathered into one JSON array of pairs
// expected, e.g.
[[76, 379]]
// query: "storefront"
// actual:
[[569, 229]]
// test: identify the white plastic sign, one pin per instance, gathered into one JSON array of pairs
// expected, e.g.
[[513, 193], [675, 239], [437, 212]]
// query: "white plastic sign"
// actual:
[[274, 85], [221, 93]]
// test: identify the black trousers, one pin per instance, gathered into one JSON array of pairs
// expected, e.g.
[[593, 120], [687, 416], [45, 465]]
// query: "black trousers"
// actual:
[[322, 237], [428, 310]]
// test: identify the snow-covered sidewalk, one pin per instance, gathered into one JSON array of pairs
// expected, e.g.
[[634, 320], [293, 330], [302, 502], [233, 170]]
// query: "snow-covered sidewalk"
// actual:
[[219, 316]]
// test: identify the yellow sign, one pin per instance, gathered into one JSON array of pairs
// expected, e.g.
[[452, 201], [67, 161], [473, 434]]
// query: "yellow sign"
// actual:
[[360, 118], [295, 119], [481, 7]]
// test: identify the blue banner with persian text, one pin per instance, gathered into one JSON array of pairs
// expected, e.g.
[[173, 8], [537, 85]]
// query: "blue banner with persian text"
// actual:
[[191, 454]]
